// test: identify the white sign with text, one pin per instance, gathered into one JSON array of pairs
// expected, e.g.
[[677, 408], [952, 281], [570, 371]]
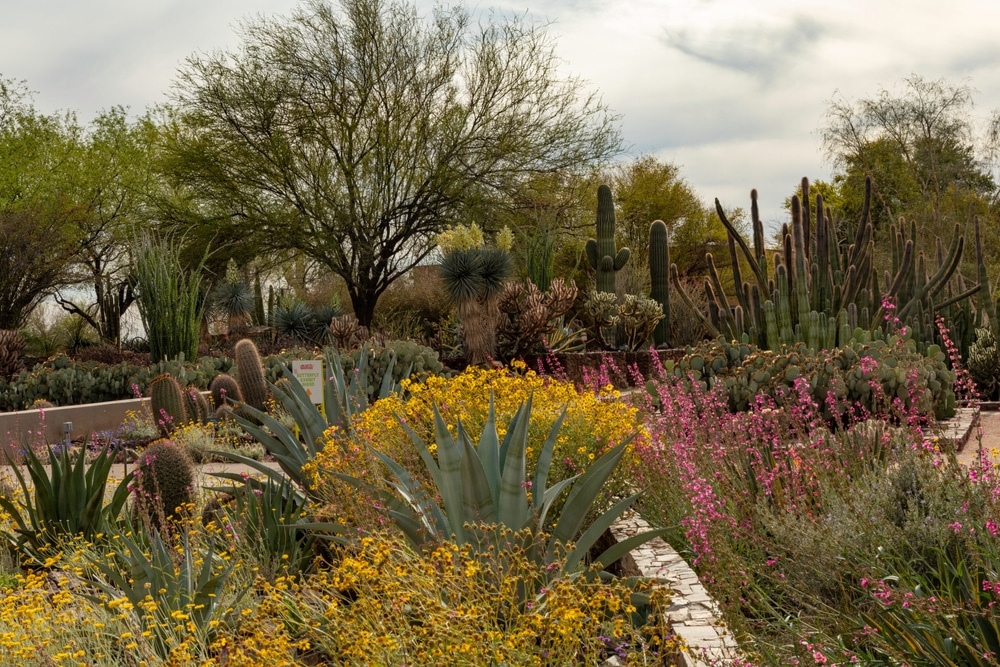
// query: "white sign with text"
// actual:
[[310, 375]]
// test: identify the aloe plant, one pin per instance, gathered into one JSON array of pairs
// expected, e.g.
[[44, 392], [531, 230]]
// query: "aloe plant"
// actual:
[[486, 492], [66, 499]]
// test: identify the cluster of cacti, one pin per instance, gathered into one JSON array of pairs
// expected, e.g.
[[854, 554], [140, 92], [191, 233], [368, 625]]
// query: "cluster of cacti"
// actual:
[[164, 483], [250, 373], [818, 288], [11, 345], [983, 364], [857, 372], [63, 381], [346, 332], [602, 253], [659, 279], [638, 318], [528, 316]]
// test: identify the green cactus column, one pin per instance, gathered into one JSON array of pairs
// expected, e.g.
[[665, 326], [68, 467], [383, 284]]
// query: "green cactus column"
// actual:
[[659, 278], [601, 252]]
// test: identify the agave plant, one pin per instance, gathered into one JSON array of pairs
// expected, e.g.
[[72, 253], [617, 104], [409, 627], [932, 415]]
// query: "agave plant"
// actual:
[[66, 498], [486, 492]]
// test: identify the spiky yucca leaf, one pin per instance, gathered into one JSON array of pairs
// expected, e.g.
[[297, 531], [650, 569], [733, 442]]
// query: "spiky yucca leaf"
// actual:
[[460, 273]]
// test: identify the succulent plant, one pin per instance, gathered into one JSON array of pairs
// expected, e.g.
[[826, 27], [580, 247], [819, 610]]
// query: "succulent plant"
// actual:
[[484, 491], [473, 279], [11, 346], [528, 316], [164, 482], [602, 253], [983, 363], [168, 404], [225, 390], [659, 279], [250, 372]]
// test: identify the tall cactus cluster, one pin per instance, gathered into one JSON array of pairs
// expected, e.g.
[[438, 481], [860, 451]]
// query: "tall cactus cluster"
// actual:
[[602, 253], [824, 290]]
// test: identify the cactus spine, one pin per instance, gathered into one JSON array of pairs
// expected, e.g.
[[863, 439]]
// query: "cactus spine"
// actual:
[[167, 403], [601, 252], [659, 278], [250, 371]]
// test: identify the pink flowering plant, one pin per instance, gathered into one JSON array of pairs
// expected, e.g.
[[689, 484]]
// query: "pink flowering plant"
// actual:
[[804, 528]]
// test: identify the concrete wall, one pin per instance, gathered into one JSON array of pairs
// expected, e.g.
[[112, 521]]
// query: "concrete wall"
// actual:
[[32, 426]]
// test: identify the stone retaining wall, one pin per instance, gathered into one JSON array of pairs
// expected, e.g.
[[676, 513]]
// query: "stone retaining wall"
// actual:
[[693, 614]]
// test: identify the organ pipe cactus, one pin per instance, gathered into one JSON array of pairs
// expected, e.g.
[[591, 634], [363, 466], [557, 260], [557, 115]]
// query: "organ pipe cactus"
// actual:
[[659, 278], [602, 254], [822, 287]]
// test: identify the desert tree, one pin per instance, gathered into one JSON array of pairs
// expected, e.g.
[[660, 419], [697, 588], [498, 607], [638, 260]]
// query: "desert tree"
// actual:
[[354, 133]]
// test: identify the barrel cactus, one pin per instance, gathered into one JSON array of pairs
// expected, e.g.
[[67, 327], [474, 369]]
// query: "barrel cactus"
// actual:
[[165, 483], [168, 404], [250, 371]]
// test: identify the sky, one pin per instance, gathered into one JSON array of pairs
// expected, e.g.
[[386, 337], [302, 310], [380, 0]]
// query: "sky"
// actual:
[[734, 92]]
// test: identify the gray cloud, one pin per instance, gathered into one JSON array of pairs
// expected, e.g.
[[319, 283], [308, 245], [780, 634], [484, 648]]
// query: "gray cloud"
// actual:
[[761, 51]]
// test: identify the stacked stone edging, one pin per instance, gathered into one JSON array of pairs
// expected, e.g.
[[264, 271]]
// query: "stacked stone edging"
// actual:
[[693, 615]]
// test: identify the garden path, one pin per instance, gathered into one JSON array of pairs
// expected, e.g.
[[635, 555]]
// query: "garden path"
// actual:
[[986, 436]]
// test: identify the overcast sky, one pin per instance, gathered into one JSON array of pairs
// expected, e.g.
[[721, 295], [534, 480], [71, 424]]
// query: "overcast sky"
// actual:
[[733, 91]]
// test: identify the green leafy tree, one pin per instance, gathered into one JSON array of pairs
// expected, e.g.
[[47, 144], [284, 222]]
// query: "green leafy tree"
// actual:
[[354, 133], [36, 214], [921, 148], [111, 180]]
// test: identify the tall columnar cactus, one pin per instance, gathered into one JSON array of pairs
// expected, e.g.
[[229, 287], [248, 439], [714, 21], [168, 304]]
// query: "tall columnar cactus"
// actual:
[[601, 252], [659, 278], [167, 403], [165, 482], [823, 288], [11, 345], [250, 372]]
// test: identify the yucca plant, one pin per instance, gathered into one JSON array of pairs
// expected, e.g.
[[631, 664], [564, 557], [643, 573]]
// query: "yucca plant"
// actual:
[[473, 278], [486, 491], [237, 302], [66, 499]]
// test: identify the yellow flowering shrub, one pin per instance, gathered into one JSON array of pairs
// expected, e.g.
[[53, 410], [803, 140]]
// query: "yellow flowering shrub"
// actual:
[[594, 423], [383, 604]]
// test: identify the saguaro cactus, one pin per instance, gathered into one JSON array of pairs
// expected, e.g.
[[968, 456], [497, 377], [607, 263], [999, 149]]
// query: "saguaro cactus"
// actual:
[[659, 278], [601, 251]]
